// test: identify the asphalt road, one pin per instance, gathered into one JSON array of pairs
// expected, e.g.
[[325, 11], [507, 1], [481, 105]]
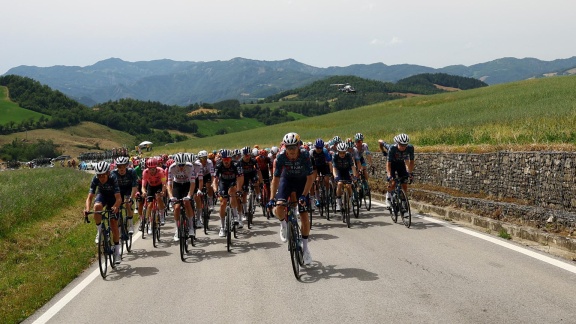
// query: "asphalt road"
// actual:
[[374, 272]]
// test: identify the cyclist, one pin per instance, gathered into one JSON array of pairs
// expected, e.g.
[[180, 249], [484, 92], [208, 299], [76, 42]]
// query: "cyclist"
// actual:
[[362, 149], [252, 175], [153, 187], [206, 169], [293, 173], [109, 196], [138, 168], [343, 163], [181, 174], [128, 182], [322, 164], [228, 179], [265, 166], [400, 163]]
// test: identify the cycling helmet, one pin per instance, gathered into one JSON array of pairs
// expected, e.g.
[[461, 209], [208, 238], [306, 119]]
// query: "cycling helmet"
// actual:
[[211, 156], [237, 152], [342, 147], [350, 144], [336, 139], [102, 167], [189, 157], [291, 139], [136, 162], [202, 154], [225, 154], [401, 139], [169, 162], [319, 143], [358, 137], [179, 158], [151, 163], [274, 150], [255, 152], [263, 152], [246, 150], [121, 160]]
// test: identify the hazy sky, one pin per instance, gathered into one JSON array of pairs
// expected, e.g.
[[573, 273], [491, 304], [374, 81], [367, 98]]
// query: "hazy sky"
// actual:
[[320, 33]]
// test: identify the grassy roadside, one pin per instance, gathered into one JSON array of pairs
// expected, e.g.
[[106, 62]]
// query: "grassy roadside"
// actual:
[[43, 242]]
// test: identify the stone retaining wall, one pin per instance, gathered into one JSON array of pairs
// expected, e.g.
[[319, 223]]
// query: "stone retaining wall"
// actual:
[[542, 184]]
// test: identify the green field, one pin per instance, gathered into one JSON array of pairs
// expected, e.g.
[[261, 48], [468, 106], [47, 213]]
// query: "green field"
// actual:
[[538, 111], [10, 111], [211, 127]]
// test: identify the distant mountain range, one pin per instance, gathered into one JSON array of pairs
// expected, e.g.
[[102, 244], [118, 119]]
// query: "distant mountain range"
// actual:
[[183, 82]]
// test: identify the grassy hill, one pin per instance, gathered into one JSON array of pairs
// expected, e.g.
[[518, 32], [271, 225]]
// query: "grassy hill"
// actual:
[[539, 112], [76, 139], [11, 112]]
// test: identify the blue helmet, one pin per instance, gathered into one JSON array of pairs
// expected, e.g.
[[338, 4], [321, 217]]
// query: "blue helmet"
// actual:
[[319, 143], [226, 154]]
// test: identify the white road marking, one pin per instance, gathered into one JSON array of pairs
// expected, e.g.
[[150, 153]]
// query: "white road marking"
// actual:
[[73, 293], [558, 263]]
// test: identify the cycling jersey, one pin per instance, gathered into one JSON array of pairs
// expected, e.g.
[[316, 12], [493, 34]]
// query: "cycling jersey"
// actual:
[[249, 166], [109, 188], [320, 158], [343, 164], [264, 164], [188, 173], [395, 155], [207, 169], [127, 181], [299, 168], [228, 174], [153, 180]]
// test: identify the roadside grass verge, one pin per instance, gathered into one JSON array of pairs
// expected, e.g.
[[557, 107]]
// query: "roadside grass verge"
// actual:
[[521, 114], [43, 242]]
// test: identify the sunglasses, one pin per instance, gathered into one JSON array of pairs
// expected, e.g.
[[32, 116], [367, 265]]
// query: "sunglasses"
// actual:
[[101, 175], [181, 164], [227, 159]]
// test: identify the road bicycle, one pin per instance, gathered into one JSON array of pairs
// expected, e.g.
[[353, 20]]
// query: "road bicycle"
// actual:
[[265, 191], [399, 203], [345, 207], [356, 202], [364, 191], [105, 244], [184, 229], [229, 224], [251, 200], [325, 197], [205, 211], [294, 237], [125, 237], [154, 222]]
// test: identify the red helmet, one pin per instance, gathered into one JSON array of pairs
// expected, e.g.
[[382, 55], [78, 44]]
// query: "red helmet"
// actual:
[[151, 163], [135, 162], [169, 162], [263, 152]]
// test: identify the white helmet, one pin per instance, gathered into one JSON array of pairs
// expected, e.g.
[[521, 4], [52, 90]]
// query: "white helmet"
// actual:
[[274, 150], [102, 167], [342, 147], [401, 139], [179, 158], [202, 154], [254, 152], [121, 160], [291, 139]]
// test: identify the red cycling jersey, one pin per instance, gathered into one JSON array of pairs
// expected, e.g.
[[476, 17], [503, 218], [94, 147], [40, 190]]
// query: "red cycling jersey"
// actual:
[[154, 180]]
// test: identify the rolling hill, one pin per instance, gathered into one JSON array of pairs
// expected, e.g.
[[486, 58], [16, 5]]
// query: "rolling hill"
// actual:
[[184, 82]]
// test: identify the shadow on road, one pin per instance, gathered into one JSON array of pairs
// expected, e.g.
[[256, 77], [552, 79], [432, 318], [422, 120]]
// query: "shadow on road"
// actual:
[[317, 271]]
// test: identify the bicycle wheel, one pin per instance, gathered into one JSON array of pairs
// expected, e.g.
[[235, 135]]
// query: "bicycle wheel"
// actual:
[[393, 207], [228, 229], [264, 200], [205, 215], [129, 240], [123, 231], [355, 202], [292, 246], [155, 228], [183, 244], [143, 225], [102, 255], [405, 207], [367, 196], [251, 207]]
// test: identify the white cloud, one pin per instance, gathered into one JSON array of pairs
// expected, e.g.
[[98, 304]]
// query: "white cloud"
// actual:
[[392, 42]]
